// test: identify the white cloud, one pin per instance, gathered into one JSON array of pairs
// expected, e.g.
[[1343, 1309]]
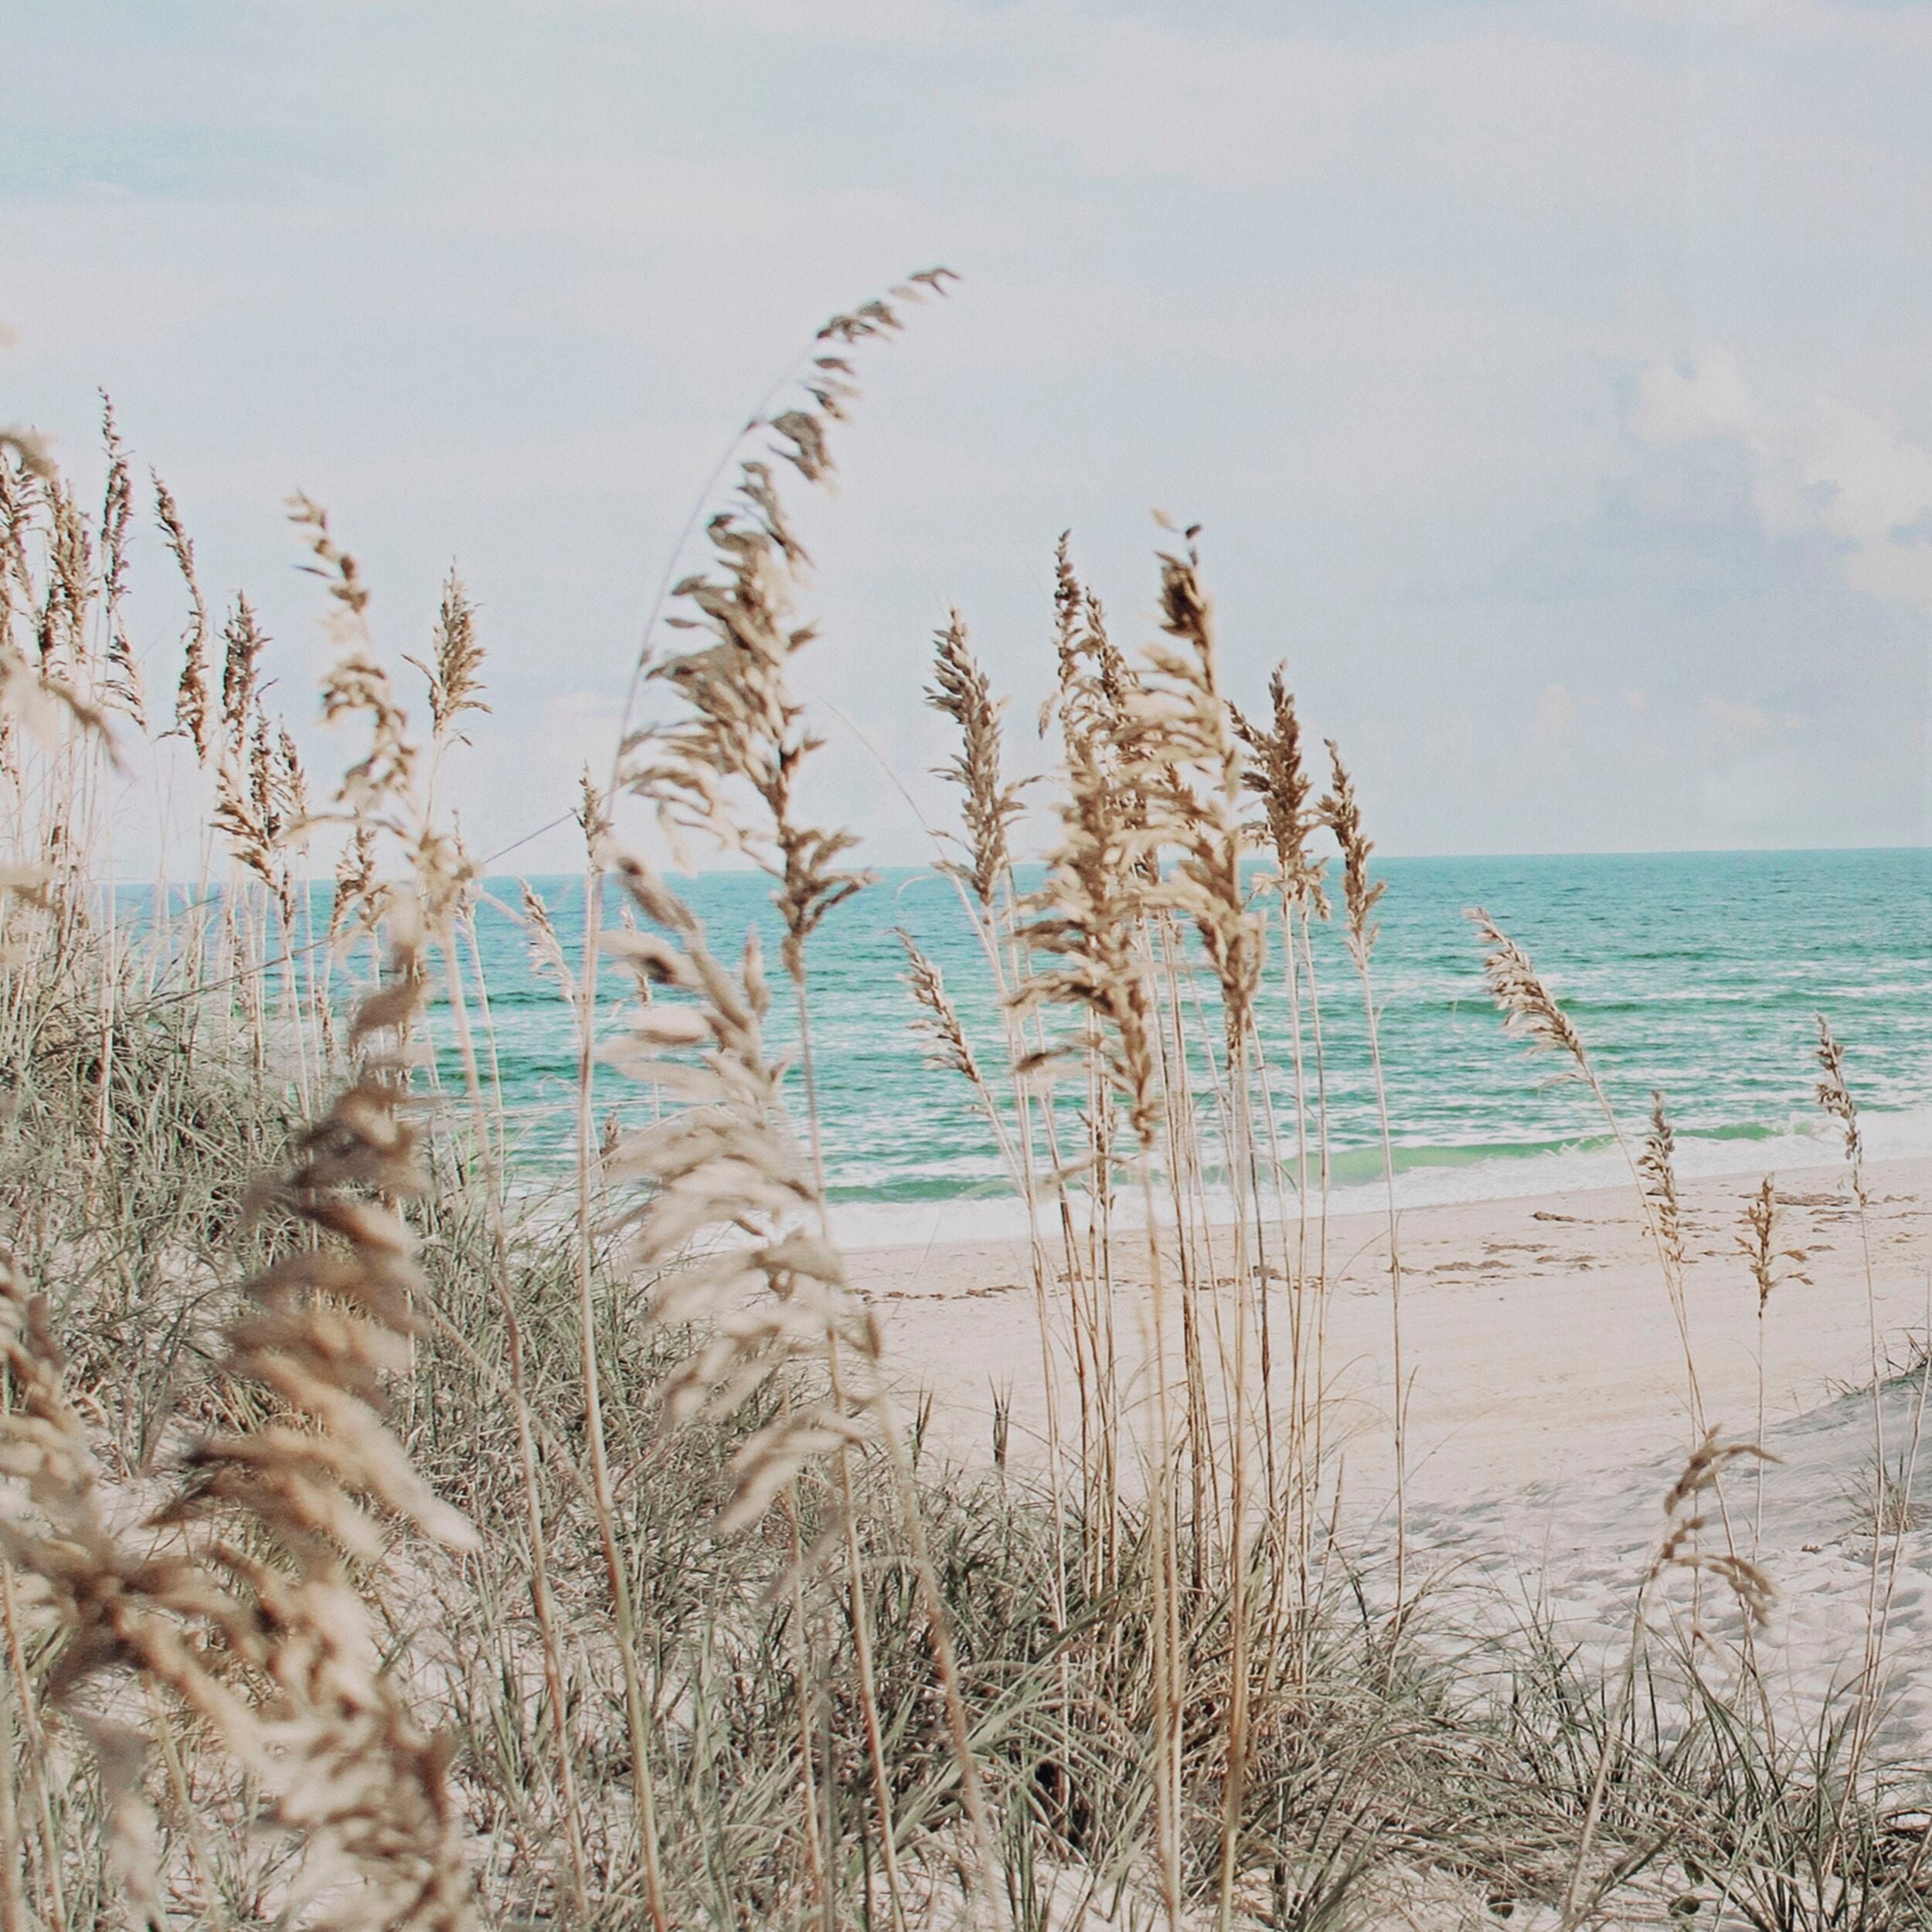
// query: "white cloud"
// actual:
[[1819, 466]]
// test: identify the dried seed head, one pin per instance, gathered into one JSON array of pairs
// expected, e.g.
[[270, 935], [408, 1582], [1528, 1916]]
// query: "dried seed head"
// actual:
[[546, 949], [951, 1051], [1835, 1096], [333, 564], [121, 684], [988, 805], [291, 784], [358, 687], [725, 1163], [741, 729], [1342, 815], [454, 671], [1755, 1593], [1758, 1244], [193, 709], [1178, 753], [61, 631], [1657, 1175], [354, 880], [1529, 1009], [1277, 775], [240, 671]]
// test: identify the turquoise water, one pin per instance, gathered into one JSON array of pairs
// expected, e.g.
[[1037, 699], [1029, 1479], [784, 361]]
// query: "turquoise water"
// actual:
[[1699, 973]]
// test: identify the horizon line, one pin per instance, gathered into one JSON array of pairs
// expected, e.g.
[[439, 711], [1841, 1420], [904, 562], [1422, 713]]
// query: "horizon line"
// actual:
[[1398, 859]]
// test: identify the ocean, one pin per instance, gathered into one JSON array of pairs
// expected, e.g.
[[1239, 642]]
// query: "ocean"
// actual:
[[1698, 974]]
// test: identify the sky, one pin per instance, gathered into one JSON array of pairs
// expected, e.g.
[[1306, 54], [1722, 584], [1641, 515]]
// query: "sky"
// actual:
[[1553, 385]]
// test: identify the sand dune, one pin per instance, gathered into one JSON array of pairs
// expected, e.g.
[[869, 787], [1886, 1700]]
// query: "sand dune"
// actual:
[[1548, 1411]]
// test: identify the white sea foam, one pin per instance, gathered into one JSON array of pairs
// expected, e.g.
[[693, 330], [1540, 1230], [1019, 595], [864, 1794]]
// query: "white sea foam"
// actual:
[[1901, 1135]]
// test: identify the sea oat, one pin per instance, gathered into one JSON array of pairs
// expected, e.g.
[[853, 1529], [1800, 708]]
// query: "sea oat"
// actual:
[[333, 565], [988, 804], [951, 1051], [742, 725], [1529, 1009], [289, 783], [1657, 1169], [193, 711], [1179, 754], [121, 684], [240, 671], [1835, 1096], [1342, 815], [354, 879], [1084, 920], [1758, 1244], [68, 591], [453, 669], [374, 786], [1277, 775], [742, 730], [1755, 1593], [726, 1162], [371, 1791], [29, 450]]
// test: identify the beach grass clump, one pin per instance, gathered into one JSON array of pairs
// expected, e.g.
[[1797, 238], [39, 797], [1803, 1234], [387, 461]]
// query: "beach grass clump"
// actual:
[[394, 1536]]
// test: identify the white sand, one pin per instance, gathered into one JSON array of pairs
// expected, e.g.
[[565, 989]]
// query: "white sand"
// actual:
[[1548, 1409]]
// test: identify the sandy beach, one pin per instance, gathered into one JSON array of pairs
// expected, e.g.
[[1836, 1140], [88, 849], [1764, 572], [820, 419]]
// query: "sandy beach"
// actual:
[[1548, 1411], [1539, 1339]]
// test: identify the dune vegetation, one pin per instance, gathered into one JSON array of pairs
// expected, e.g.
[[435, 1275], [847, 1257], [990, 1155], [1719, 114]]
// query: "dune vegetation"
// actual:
[[394, 1538]]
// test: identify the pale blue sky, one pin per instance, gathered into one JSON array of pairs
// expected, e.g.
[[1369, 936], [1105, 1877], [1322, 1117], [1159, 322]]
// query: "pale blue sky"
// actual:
[[1554, 382]]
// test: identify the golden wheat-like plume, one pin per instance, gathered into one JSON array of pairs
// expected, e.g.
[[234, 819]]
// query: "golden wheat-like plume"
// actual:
[[951, 1050], [1530, 1011], [339, 573], [194, 713], [1341, 812], [1180, 753], [1657, 1171], [988, 804], [354, 1772], [454, 670], [67, 592], [354, 879], [741, 727], [120, 1605], [1770, 1265], [244, 643], [1084, 921], [1755, 1593], [1835, 1096], [358, 687], [726, 1162], [1278, 776], [120, 681]]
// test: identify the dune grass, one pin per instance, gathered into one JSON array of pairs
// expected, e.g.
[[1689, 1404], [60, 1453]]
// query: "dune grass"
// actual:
[[394, 1538]]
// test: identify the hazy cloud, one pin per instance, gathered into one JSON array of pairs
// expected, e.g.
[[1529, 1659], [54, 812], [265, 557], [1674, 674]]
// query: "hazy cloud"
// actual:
[[1819, 465], [1536, 372]]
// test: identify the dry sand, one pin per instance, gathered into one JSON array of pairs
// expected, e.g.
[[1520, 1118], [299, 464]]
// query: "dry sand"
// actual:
[[1548, 1411], [1537, 1334]]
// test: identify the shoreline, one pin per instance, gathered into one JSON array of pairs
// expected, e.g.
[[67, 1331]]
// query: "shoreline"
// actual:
[[1592, 1164]]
